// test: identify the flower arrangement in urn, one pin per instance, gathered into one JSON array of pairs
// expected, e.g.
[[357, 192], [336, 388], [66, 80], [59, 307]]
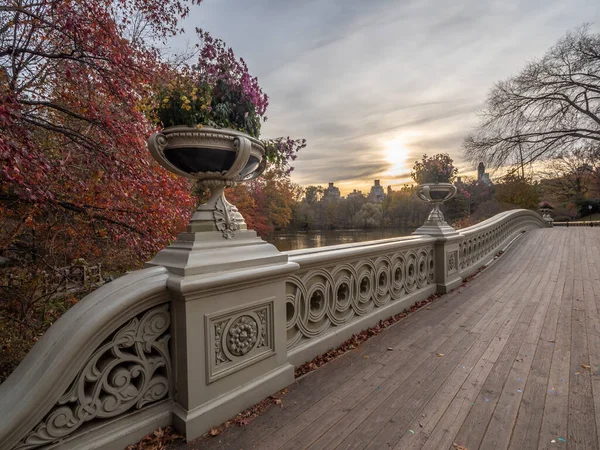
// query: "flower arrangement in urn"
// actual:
[[211, 113], [219, 93], [435, 169], [434, 176]]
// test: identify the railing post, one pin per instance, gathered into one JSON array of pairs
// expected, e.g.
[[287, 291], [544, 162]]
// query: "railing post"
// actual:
[[228, 324], [447, 256], [228, 286]]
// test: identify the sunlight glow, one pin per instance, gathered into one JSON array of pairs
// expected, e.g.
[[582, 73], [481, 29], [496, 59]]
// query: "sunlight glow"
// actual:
[[396, 155]]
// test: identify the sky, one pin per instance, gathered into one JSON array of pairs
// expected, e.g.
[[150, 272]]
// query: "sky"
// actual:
[[374, 84]]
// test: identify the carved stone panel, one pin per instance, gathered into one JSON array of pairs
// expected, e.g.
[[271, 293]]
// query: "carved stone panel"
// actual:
[[238, 338], [322, 298], [452, 263], [130, 370]]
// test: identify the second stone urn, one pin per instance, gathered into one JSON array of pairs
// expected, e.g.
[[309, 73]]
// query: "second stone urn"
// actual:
[[216, 158], [436, 194]]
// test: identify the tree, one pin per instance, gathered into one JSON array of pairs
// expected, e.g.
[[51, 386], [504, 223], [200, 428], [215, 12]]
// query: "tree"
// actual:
[[570, 176], [313, 194], [513, 191], [552, 106]]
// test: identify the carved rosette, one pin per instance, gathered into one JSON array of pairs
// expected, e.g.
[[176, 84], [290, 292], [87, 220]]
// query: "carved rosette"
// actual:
[[242, 336], [238, 339], [129, 371], [320, 299]]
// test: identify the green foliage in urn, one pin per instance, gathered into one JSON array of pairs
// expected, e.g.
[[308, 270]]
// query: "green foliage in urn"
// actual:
[[435, 169]]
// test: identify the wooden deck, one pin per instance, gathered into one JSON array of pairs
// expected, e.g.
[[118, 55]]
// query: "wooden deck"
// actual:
[[510, 361]]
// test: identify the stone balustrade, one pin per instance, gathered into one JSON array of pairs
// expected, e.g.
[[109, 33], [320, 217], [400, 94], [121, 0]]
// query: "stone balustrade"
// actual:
[[215, 325]]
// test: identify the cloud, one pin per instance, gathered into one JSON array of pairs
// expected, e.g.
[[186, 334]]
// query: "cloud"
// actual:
[[351, 78]]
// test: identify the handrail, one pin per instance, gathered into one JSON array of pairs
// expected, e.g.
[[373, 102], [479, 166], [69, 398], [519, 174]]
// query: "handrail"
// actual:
[[482, 241], [51, 368]]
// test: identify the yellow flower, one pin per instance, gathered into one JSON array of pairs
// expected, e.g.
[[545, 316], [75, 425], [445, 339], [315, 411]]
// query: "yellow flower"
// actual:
[[166, 100], [194, 98], [203, 107], [199, 125], [186, 107], [184, 98]]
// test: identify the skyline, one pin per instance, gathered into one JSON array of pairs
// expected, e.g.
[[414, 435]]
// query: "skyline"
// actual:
[[373, 89]]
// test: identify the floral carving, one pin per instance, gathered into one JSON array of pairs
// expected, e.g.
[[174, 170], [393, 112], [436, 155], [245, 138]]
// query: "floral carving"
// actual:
[[219, 355], [130, 370], [224, 219], [452, 266], [239, 339], [242, 335]]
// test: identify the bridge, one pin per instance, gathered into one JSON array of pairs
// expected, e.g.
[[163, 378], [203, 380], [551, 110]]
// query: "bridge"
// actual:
[[507, 359]]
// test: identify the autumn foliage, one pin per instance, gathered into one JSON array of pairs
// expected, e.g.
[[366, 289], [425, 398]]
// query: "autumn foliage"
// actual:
[[76, 180]]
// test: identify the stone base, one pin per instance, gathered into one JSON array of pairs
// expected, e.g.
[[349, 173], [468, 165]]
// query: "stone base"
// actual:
[[444, 288], [198, 421], [436, 229]]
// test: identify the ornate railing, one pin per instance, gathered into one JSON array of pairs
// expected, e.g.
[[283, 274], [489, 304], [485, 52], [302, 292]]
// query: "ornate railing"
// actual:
[[483, 241], [340, 290], [106, 358], [112, 369]]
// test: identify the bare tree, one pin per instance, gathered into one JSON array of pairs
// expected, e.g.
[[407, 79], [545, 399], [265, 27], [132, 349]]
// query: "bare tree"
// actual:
[[552, 106], [570, 176]]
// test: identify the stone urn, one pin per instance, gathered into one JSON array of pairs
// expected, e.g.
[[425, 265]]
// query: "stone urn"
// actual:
[[545, 213], [216, 158], [436, 194]]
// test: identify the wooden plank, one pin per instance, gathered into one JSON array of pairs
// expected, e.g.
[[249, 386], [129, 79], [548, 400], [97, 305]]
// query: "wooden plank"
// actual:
[[499, 430], [470, 372], [555, 417], [526, 431], [591, 294], [582, 423]]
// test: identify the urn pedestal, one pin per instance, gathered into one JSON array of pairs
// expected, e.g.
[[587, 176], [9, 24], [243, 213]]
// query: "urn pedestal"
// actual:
[[436, 194], [228, 313], [446, 248]]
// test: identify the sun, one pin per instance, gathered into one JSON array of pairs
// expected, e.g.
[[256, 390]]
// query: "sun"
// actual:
[[396, 155]]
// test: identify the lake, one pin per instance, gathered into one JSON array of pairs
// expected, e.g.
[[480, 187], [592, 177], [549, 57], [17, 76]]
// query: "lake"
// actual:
[[293, 240]]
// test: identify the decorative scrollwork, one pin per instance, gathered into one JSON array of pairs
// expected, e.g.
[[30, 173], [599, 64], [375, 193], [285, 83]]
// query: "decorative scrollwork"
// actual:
[[130, 370], [224, 219], [320, 299]]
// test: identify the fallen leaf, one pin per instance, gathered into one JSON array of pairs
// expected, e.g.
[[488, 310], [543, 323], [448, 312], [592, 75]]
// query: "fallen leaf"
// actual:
[[390, 349], [586, 366], [366, 356], [215, 431], [278, 401], [439, 355]]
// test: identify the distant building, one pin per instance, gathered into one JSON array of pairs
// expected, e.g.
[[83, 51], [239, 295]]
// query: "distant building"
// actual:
[[482, 176], [331, 193], [377, 194], [355, 194]]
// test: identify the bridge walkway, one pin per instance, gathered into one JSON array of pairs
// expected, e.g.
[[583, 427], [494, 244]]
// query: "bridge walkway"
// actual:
[[511, 360]]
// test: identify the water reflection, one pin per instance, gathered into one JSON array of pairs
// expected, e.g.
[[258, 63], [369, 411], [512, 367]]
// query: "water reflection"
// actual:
[[286, 240]]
